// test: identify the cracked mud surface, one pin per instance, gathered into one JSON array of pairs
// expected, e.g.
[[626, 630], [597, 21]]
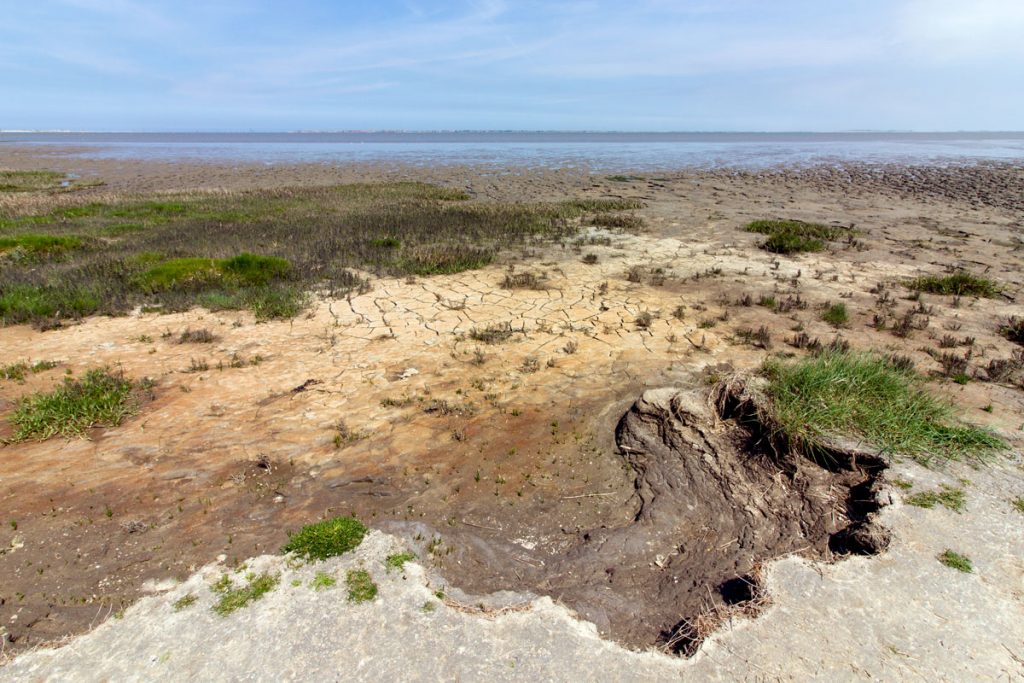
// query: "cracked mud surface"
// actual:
[[511, 462]]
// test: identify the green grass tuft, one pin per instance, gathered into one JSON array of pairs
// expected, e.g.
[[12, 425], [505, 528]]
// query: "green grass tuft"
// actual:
[[361, 587], [864, 396], [101, 398], [836, 315], [1018, 504], [948, 496], [326, 538], [960, 283], [398, 560], [232, 599], [956, 561]]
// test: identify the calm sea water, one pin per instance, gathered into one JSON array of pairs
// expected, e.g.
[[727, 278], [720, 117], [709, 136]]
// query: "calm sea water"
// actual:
[[594, 151]]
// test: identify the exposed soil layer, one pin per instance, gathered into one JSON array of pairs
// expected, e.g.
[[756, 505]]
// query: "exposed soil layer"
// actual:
[[715, 500]]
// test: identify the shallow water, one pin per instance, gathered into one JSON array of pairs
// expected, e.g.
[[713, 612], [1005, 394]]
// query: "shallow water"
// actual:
[[594, 151]]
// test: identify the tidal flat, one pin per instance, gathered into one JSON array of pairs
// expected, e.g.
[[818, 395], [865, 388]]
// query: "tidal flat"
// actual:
[[453, 356]]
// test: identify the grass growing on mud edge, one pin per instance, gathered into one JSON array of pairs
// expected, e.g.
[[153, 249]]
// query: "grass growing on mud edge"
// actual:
[[102, 397], [258, 250], [868, 397]]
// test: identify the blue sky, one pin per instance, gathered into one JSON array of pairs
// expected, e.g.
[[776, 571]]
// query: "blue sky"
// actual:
[[491, 64]]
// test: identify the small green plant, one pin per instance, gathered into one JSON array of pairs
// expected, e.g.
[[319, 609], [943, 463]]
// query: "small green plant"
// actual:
[[103, 397], [960, 283], [184, 601], [232, 598], [387, 243], [902, 484], [398, 560], [1017, 503], [361, 587], [322, 581], [836, 315], [956, 561], [948, 496], [326, 538]]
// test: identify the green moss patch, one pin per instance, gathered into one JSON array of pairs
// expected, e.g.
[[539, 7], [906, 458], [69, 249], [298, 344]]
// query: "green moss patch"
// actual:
[[326, 538], [234, 598], [40, 244]]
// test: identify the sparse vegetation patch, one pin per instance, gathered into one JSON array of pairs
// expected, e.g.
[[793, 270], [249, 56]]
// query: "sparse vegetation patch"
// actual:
[[234, 598]]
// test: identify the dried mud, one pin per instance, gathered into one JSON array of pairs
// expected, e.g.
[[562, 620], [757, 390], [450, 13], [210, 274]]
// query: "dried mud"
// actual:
[[522, 466]]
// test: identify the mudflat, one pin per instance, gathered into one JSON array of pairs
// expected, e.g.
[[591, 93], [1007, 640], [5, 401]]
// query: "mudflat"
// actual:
[[495, 417]]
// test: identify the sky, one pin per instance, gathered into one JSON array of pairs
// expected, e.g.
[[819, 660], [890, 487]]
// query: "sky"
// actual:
[[640, 65]]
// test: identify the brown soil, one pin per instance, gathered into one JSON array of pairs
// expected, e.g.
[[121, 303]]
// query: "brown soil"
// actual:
[[517, 468]]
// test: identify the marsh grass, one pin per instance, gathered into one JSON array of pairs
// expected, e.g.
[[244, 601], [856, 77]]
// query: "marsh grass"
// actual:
[[836, 393], [792, 236], [960, 283], [103, 397], [259, 250], [29, 181], [326, 538]]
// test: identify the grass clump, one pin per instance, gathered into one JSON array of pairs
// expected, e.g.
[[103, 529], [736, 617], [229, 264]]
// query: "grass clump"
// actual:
[[956, 561], [322, 581], [184, 601], [836, 315], [101, 398], [232, 598], [960, 283], [842, 393], [947, 496], [792, 236], [327, 538], [1018, 504], [361, 587], [398, 560]]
